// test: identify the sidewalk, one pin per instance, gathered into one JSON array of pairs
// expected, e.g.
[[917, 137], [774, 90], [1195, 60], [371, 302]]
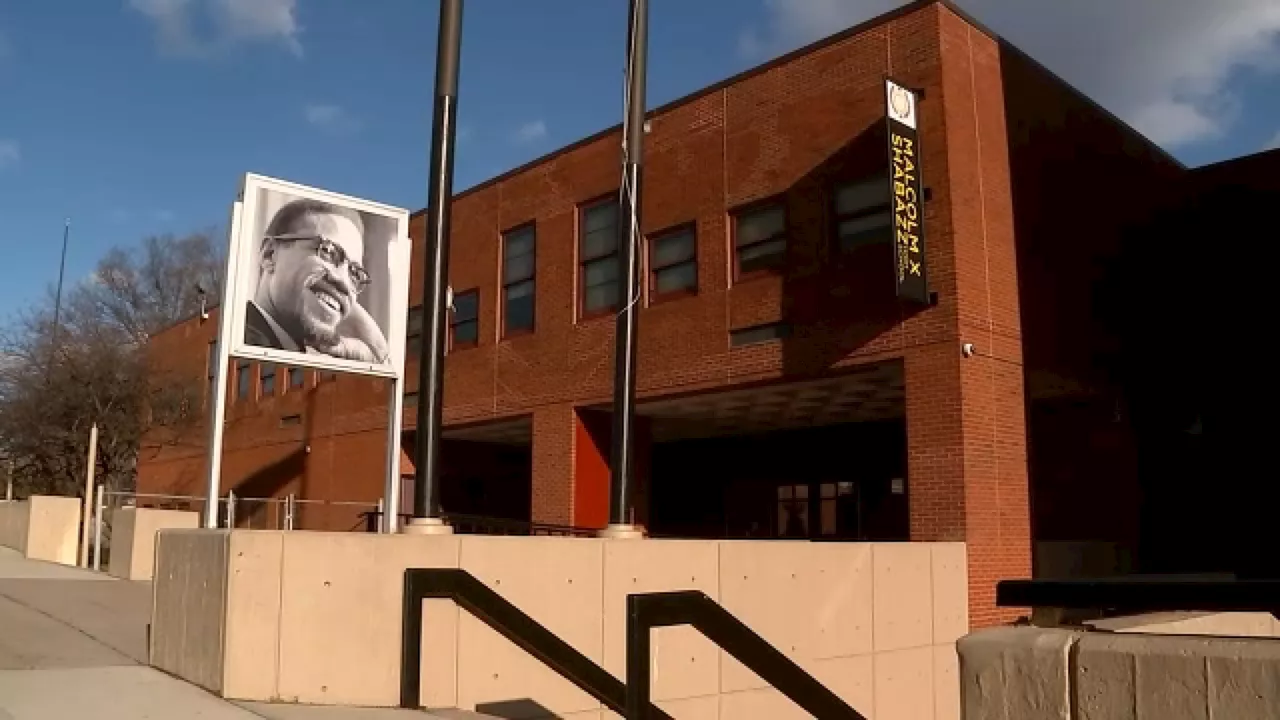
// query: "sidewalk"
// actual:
[[73, 647]]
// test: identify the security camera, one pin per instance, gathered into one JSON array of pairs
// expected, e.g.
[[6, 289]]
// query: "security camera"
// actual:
[[967, 349]]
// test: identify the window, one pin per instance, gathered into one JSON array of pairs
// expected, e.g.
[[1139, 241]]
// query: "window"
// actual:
[[759, 334], [212, 370], [297, 378], [793, 511], [517, 280], [464, 326], [673, 263], [290, 420], [244, 378], [413, 333], [267, 378], [864, 215], [411, 398], [598, 254], [760, 239]]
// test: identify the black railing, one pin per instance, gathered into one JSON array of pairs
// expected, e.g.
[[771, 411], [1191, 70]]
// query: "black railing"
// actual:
[[644, 612], [648, 611], [484, 525], [508, 621], [1053, 600]]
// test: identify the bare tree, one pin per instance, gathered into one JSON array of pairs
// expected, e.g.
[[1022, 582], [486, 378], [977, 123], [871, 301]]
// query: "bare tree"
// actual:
[[99, 371]]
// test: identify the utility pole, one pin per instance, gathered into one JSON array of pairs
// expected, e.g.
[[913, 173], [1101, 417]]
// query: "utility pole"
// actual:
[[426, 480], [57, 302], [622, 460]]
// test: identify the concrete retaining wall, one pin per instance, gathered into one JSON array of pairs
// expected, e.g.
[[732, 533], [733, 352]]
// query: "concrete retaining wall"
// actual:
[[42, 528], [1048, 674], [133, 538], [315, 618]]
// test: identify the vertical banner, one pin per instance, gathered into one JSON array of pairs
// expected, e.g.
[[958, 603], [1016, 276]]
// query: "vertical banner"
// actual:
[[911, 275]]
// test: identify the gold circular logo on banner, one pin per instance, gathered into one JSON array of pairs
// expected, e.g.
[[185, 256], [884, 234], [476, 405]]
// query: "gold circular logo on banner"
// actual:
[[899, 101]]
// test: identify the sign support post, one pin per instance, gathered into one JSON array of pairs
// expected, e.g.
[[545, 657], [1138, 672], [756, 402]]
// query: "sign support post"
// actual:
[[218, 392]]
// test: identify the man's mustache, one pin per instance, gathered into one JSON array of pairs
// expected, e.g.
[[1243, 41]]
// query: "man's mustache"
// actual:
[[322, 282]]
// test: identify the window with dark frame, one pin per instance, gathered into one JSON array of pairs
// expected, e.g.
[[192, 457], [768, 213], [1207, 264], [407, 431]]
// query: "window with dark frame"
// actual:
[[297, 378], [519, 247], [464, 324], [863, 213], [673, 263], [212, 370], [413, 333], [244, 379], [793, 511], [757, 334], [759, 239], [599, 289], [267, 380]]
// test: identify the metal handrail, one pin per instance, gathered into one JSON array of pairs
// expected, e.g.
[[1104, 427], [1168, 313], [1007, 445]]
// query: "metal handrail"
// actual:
[[486, 525], [1048, 599], [508, 621], [691, 607]]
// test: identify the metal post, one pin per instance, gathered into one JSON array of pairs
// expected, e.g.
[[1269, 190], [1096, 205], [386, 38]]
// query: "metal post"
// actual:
[[231, 510], [426, 497], [218, 393], [57, 302], [391, 490], [288, 511], [100, 507], [622, 461], [8, 482], [87, 512]]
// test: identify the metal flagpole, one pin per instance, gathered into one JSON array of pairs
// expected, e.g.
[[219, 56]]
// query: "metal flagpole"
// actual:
[[57, 302], [426, 481], [622, 461]]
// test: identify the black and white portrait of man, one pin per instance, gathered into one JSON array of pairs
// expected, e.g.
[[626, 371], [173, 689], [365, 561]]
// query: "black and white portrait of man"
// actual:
[[321, 271]]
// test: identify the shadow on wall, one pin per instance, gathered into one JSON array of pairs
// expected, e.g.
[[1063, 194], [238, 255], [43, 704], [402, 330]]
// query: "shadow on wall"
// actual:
[[836, 298]]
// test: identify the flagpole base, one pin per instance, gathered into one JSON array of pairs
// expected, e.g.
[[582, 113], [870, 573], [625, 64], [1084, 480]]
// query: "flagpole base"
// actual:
[[426, 526], [621, 532]]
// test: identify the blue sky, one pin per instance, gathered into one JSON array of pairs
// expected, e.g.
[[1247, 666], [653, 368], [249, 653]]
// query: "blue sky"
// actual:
[[136, 117]]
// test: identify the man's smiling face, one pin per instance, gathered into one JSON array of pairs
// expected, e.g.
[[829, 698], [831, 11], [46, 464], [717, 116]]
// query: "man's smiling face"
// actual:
[[310, 291]]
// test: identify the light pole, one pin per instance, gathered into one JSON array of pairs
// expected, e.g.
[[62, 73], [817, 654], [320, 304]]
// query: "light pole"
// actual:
[[622, 460], [426, 480]]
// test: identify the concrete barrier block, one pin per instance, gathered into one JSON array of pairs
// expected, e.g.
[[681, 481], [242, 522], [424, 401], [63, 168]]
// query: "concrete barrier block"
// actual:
[[1244, 679], [133, 539], [1016, 673], [53, 529]]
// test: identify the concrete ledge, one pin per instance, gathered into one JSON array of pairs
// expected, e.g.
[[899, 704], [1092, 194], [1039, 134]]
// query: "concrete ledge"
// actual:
[[133, 538], [314, 618], [1032, 673], [42, 528]]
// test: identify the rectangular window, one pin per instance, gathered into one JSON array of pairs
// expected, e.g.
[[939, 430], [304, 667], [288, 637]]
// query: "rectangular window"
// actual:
[[759, 334], [267, 379], [244, 379], [411, 398], [290, 420], [464, 326], [297, 378], [599, 288], [673, 263], [413, 333], [518, 255], [760, 239], [212, 370], [864, 215], [793, 511]]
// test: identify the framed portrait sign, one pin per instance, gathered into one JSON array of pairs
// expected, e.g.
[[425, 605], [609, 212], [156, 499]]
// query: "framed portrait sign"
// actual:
[[318, 279]]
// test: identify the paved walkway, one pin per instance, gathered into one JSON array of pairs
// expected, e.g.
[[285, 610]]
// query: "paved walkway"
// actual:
[[73, 646]]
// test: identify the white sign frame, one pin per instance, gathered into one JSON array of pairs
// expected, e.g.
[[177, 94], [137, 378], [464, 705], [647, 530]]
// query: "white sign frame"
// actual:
[[235, 294], [399, 257]]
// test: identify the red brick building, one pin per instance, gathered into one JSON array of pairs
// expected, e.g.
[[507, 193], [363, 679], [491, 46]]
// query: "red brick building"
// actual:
[[783, 389]]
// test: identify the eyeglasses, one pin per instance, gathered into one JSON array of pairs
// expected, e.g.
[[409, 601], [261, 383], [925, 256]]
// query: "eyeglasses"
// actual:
[[332, 253]]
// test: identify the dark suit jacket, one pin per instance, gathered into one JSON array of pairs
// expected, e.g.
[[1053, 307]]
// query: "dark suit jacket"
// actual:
[[257, 331]]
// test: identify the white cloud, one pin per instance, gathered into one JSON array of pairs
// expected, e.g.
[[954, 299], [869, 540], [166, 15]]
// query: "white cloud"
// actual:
[[330, 118], [203, 27], [531, 132], [1163, 65], [10, 153]]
